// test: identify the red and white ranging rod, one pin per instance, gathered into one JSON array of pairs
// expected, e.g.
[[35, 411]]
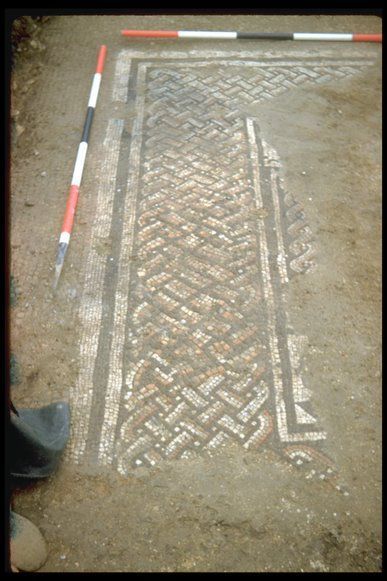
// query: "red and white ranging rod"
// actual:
[[224, 35], [72, 199]]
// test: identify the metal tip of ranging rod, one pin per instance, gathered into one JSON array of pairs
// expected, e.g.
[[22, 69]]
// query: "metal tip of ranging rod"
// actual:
[[62, 249], [58, 270]]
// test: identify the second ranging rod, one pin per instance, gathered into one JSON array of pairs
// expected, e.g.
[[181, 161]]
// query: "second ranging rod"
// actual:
[[231, 35], [72, 199]]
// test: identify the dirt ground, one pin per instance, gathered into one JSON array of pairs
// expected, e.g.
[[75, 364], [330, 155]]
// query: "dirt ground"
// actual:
[[237, 509]]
